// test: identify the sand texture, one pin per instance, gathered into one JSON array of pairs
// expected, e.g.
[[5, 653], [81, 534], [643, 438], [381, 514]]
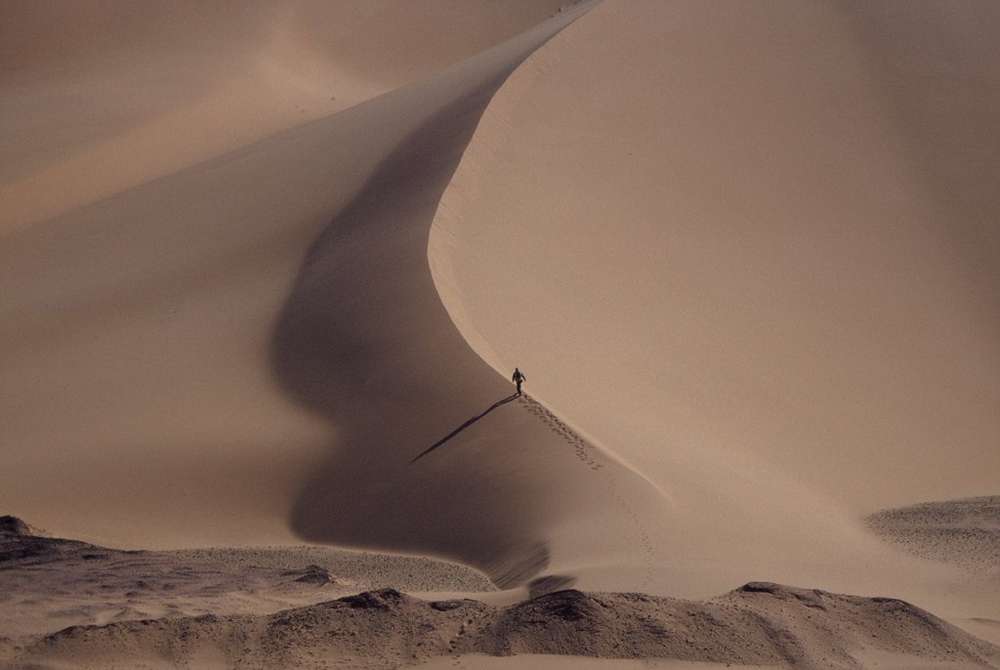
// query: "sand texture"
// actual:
[[266, 268], [47, 584], [965, 532], [76, 605], [758, 624]]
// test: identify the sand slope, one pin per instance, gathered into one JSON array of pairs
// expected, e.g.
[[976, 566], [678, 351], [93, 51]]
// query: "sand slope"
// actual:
[[100, 96], [965, 531], [745, 254], [963, 534], [177, 323], [744, 246]]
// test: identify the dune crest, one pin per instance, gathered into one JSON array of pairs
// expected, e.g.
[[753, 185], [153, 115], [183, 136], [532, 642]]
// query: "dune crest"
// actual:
[[117, 95], [337, 377], [365, 341], [714, 242]]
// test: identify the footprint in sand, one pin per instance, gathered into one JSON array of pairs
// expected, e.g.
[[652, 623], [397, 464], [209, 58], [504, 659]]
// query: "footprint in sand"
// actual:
[[581, 450]]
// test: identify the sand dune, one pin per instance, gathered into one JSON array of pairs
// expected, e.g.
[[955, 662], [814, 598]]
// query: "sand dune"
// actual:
[[121, 94], [185, 277], [404, 376], [750, 295], [266, 269], [965, 532]]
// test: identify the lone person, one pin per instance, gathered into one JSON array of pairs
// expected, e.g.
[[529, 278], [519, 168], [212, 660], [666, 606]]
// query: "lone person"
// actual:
[[519, 379]]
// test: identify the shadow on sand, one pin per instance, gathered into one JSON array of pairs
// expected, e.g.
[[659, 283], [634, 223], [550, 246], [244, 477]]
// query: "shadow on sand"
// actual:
[[503, 401], [365, 342]]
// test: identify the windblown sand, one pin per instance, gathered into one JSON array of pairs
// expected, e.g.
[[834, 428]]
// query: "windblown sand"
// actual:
[[265, 269]]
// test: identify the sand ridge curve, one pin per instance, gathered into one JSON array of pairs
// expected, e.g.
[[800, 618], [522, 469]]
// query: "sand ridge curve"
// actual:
[[365, 341]]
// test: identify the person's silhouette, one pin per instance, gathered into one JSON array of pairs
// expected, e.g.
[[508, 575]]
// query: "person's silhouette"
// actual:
[[518, 379]]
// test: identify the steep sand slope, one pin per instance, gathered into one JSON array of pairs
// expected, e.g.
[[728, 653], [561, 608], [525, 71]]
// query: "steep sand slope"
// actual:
[[759, 624], [745, 245], [99, 96], [135, 333], [145, 333]]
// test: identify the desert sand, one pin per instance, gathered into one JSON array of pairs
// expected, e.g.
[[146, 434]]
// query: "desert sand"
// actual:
[[158, 609], [266, 267]]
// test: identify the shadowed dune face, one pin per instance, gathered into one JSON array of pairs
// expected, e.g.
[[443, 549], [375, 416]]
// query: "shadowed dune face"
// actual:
[[375, 352], [136, 334], [365, 342]]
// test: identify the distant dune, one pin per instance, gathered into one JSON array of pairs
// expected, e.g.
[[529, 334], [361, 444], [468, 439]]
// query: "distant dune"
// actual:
[[965, 532], [120, 94]]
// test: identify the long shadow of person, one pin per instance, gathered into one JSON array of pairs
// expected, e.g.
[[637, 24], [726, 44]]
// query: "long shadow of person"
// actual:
[[503, 401], [364, 342]]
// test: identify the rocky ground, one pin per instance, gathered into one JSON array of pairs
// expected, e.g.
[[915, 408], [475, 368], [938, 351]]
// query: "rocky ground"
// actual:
[[965, 532], [757, 624], [69, 604], [49, 583]]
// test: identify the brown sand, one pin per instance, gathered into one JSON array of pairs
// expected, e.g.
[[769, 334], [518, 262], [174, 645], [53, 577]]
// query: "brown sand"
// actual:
[[47, 584], [101, 96], [965, 532], [256, 261], [758, 624], [232, 608], [211, 256], [755, 297]]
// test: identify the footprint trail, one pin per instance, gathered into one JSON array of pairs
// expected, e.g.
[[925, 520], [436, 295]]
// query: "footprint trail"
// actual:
[[588, 455]]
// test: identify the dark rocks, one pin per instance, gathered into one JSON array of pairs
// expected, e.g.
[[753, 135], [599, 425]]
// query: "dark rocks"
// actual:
[[11, 525], [568, 605], [808, 597], [446, 605], [759, 624], [315, 574], [381, 600], [549, 584]]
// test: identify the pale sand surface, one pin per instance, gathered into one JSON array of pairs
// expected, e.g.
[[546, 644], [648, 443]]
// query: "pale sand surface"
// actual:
[[162, 302], [122, 93], [265, 272], [776, 308]]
